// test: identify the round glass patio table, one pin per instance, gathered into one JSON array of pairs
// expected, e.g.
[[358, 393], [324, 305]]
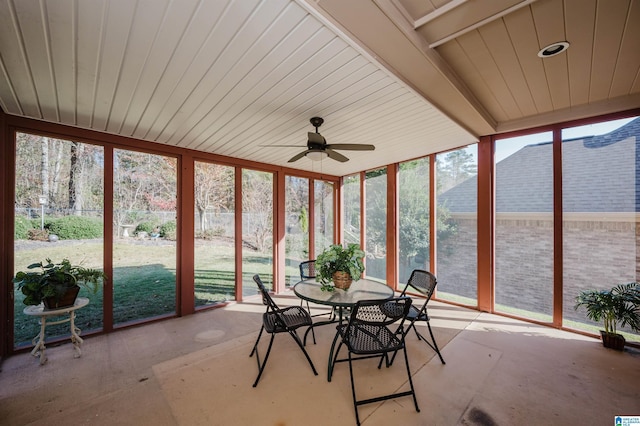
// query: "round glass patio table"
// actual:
[[363, 289]]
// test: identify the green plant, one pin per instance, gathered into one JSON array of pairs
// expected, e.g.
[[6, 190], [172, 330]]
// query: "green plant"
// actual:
[[53, 279], [76, 227], [168, 230], [619, 305], [338, 258], [147, 227], [21, 228]]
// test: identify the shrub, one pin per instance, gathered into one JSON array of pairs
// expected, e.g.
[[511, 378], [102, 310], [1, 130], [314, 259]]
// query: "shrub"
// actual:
[[168, 230], [36, 223], [76, 227], [210, 234], [21, 228], [205, 235], [147, 227]]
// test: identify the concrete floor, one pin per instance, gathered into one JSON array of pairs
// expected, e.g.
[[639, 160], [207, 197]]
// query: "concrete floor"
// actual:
[[196, 370]]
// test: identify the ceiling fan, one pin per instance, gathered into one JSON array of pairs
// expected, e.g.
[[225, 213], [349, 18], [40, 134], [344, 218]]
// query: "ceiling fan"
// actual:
[[318, 148]]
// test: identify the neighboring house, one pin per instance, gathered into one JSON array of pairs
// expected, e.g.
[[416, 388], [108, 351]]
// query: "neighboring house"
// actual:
[[600, 195]]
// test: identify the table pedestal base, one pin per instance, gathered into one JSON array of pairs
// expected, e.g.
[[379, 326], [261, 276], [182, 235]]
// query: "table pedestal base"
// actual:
[[38, 341]]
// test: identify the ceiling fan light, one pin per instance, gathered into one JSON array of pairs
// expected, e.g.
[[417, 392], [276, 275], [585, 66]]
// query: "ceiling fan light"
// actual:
[[316, 155]]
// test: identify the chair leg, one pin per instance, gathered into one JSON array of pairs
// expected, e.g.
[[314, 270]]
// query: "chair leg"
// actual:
[[255, 346], [413, 392], [313, 334], [297, 339], [435, 345], [264, 362], [333, 357], [385, 357], [353, 389]]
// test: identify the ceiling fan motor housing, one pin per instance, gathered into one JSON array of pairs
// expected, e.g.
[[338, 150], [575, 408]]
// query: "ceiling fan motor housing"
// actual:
[[316, 122]]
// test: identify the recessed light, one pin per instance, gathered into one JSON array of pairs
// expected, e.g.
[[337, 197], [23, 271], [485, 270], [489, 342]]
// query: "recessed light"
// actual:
[[553, 49]]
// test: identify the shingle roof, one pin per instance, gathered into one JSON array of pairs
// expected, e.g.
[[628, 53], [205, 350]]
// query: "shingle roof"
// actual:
[[600, 174]]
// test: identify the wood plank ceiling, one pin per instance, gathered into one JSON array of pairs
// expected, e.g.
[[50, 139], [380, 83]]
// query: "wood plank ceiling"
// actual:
[[487, 50], [234, 77]]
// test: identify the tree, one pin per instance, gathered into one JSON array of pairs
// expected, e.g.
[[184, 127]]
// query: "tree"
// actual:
[[44, 167], [75, 197], [214, 190], [323, 215], [257, 207], [297, 201], [457, 167], [376, 211], [296, 219], [414, 210], [69, 173], [142, 183], [351, 200]]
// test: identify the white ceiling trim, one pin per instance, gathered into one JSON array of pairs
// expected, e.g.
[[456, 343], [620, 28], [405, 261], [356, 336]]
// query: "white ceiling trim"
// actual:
[[436, 13], [479, 24]]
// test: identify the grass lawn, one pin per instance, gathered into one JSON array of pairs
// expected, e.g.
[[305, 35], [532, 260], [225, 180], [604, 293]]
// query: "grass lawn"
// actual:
[[144, 282]]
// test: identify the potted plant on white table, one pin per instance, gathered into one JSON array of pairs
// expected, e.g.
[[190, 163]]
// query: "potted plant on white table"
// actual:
[[56, 285]]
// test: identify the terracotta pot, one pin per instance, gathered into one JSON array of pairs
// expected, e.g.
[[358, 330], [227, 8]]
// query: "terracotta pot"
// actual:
[[67, 299], [612, 341], [342, 280]]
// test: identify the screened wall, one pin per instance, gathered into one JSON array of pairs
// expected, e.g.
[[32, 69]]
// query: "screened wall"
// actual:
[[189, 232]]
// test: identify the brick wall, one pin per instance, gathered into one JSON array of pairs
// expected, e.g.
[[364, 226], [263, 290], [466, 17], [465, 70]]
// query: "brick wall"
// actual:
[[457, 261], [598, 254]]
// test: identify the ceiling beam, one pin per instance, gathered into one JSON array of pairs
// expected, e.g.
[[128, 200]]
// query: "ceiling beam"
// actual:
[[436, 13], [480, 23]]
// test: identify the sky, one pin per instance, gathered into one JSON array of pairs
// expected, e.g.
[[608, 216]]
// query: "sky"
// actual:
[[506, 147]]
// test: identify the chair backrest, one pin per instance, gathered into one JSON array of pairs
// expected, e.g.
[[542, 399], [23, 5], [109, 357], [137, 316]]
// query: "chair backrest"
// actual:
[[308, 269], [380, 313], [266, 297], [424, 282]]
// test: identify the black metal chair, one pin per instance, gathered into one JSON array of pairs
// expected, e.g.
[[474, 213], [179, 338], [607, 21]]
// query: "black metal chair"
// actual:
[[276, 320], [307, 271], [375, 330], [423, 282]]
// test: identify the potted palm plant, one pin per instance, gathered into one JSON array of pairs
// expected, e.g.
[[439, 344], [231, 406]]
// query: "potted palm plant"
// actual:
[[619, 305], [56, 285], [340, 265]]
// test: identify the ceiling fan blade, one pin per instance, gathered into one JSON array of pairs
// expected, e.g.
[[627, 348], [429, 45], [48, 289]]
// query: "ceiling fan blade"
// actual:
[[336, 156], [299, 156], [281, 146], [316, 138], [352, 147]]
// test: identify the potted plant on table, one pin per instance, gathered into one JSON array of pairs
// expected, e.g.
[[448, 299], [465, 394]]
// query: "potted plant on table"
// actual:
[[340, 265], [619, 305], [56, 285]]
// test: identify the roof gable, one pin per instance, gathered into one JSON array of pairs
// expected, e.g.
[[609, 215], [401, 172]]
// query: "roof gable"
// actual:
[[600, 174]]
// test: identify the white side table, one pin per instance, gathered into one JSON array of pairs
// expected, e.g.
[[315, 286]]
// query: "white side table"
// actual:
[[44, 314]]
